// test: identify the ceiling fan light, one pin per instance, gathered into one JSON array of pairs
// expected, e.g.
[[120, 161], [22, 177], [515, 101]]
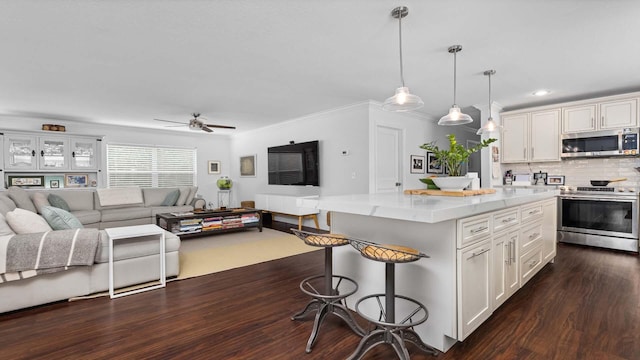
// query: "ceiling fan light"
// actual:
[[403, 100], [455, 117]]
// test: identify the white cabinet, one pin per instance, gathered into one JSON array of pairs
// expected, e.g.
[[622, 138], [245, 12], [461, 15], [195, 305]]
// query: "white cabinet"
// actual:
[[20, 152], [531, 136], [504, 268], [27, 152], [604, 115], [474, 286], [84, 153], [549, 230]]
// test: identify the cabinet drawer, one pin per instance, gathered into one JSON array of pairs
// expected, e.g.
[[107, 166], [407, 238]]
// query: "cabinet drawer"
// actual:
[[473, 229], [531, 212], [530, 264], [530, 236], [505, 219]]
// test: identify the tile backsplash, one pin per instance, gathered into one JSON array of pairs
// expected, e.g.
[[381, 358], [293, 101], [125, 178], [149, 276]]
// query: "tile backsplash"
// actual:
[[578, 172]]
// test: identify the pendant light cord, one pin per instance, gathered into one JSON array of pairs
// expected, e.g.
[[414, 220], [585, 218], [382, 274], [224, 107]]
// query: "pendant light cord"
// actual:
[[454, 77], [400, 42], [489, 94]]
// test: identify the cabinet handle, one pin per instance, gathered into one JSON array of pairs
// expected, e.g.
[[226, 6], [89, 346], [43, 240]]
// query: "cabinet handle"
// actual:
[[41, 152], [524, 153], [474, 254], [593, 122], [475, 231], [533, 264], [533, 236], [513, 250], [532, 152], [73, 154], [534, 212], [602, 121], [508, 220], [33, 153], [508, 246]]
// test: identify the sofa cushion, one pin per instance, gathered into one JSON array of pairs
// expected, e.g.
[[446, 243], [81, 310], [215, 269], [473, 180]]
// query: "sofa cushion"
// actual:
[[135, 247], [60, 219], [6, 204], [184, 193], [155, 196], [77, 199], [58, 201], [5, 229], [87, 216], [171, 198], [21, 198], [26, 222], [119, 196], [128, 213], [40, 200]]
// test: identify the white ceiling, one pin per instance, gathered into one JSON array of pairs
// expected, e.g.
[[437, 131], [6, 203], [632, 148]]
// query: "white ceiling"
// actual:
[[255, 62]]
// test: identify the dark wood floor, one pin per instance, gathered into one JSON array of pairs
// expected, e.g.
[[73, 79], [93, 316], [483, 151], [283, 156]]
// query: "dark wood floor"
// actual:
[[585, 306]]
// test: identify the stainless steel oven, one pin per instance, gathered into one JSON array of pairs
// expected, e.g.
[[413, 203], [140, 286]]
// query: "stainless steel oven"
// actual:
[[600, 216]]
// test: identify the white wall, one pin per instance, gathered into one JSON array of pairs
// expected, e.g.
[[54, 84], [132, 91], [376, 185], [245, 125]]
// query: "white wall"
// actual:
[[209, 146]]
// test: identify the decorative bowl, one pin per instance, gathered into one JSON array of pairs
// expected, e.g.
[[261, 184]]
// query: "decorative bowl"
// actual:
[[430, 184], [452, 183]]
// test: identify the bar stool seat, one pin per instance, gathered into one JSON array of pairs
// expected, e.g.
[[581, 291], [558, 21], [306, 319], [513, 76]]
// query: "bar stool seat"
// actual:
[[387, 330], [326, 298]]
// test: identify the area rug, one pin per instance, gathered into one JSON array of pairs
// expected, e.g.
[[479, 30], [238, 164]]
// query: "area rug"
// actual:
[[206, 255]]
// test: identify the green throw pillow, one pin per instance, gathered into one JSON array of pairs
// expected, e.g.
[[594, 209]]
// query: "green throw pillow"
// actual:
[[60, 219], [58, 201], [171, 198]]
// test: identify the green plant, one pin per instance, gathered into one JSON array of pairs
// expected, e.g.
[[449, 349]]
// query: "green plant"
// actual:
[[457, 154]]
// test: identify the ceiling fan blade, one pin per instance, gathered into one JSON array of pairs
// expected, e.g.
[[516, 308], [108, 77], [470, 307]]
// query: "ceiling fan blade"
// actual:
[[205, 128], [182, 125], [220, 126], [177, 122]]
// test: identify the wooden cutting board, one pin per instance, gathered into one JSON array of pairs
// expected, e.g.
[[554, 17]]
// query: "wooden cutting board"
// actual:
[[449, 193]]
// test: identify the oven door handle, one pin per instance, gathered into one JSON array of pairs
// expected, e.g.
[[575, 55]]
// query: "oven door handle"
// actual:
[[599, 198]]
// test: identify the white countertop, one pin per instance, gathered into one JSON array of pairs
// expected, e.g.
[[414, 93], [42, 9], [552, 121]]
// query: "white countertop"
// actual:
[[427, 208]]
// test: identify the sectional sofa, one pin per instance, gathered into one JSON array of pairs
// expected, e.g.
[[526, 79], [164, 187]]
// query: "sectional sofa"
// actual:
[[135, 260]]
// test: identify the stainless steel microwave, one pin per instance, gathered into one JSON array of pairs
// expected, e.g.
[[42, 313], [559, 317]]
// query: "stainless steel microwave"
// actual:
[[621, 142]]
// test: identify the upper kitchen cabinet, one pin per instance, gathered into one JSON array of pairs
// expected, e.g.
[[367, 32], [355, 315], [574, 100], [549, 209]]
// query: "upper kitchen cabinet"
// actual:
[[531, 136], [84, 153], [603, 115], [20, 152]]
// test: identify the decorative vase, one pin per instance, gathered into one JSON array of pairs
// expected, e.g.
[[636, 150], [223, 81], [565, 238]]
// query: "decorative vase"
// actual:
[[452, 183], [224, 183]]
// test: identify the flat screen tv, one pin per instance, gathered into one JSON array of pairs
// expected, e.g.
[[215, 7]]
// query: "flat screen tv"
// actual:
[[294, 164]]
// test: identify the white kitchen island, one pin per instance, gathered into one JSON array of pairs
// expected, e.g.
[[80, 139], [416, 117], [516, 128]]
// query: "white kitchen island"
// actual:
[[482, 249]]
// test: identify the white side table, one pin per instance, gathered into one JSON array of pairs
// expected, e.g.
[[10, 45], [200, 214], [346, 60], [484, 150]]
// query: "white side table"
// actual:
[[128, 232]]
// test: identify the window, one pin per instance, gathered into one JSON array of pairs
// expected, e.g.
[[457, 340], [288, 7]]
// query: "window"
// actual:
[[150, 166]]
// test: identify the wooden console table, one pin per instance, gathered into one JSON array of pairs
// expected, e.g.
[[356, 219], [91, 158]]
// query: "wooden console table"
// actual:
[[301, 218], [210, 222]]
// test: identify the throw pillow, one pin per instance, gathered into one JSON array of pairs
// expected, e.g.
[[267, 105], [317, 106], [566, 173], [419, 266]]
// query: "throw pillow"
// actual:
[[5, 229], [21, 198], [184, 192], [40, 200], [26, 222], [171, 198], [60, 219], [192, 193], [58, 201]]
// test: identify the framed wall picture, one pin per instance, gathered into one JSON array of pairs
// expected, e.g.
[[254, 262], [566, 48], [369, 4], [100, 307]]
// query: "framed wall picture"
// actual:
[[248, 166], [54, 184], [555, 180], [26, 181], [76, 180], [539, 178], [417, 164], [214, 167], [433, 167]]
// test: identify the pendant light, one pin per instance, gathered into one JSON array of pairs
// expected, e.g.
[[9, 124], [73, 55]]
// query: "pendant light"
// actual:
[[490, 125], [455, 116], [403, 100]]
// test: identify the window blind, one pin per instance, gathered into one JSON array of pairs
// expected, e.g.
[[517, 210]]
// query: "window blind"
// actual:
[[150, 166]]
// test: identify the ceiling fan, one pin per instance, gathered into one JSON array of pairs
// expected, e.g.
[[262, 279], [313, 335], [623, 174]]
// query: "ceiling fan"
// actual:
[[197, 124]]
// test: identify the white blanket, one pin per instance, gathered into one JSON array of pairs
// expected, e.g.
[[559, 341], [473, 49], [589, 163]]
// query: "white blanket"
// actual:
[[119, 196]]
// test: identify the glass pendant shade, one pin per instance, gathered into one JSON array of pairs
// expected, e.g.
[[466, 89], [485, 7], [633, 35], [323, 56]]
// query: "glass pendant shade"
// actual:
[[403, 100], [455, 117], [489, 127]]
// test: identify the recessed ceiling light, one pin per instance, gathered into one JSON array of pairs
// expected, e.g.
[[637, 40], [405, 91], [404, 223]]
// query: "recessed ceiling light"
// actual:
[[542, 92]]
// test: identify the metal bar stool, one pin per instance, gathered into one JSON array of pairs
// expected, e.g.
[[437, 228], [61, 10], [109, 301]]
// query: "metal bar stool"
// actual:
[[327, 299], [387, 329]]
